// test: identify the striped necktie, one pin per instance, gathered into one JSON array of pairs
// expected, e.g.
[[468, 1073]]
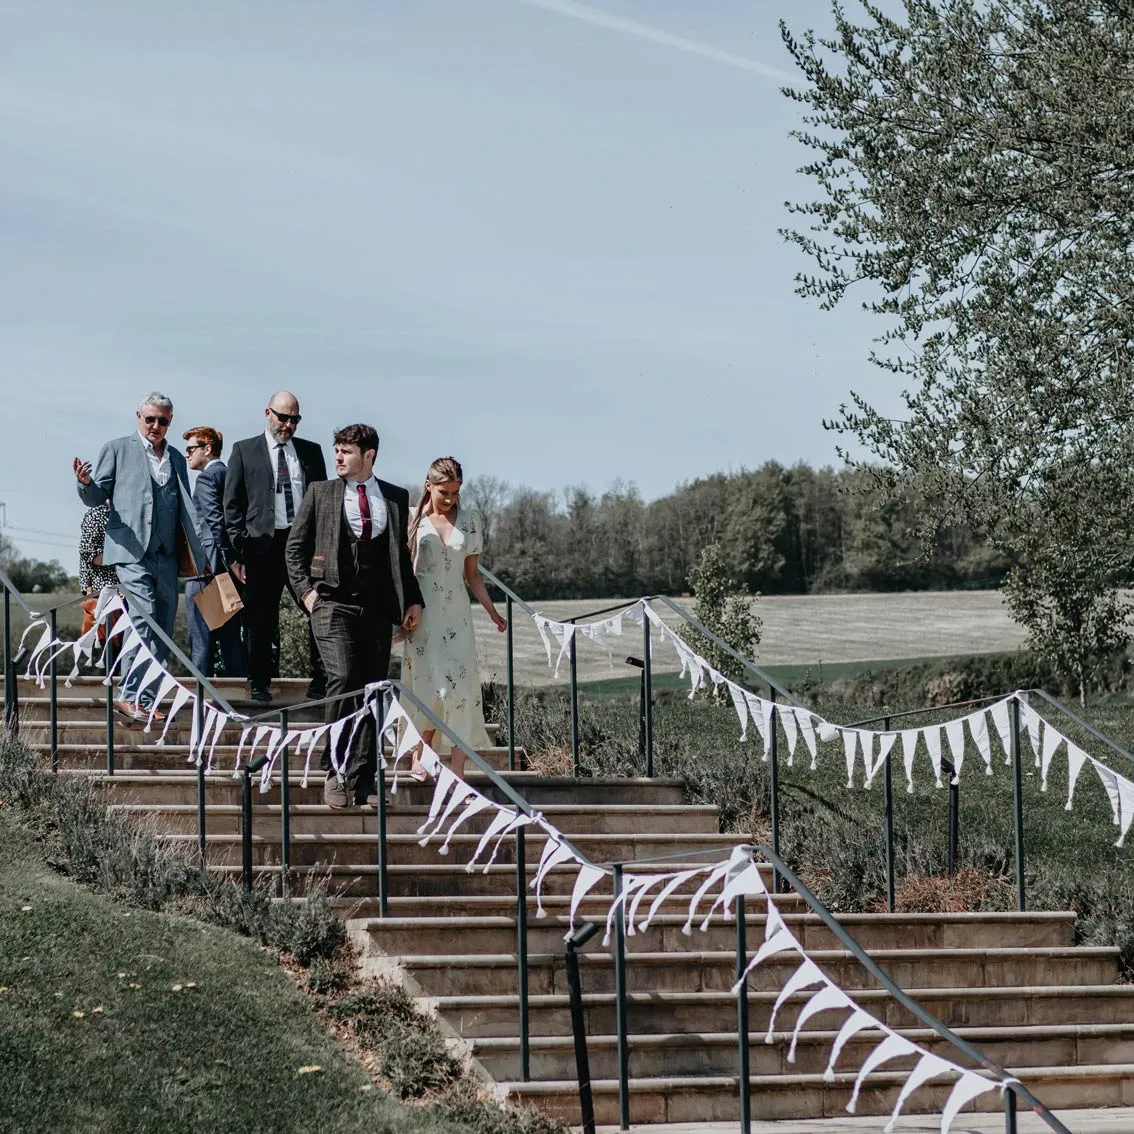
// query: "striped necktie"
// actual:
[[283, 483]]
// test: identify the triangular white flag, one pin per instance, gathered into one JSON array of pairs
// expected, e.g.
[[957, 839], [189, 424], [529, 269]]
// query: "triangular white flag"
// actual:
[[909, 747], [1001, 718], [978, 728], [1109, 782], [892, 1047], [967, 1088], [825, 1000], [1052, 738], [1076, 758], [932, 734], [1032, 719], [559, 853], [791, 730], [1126, 808], [928, 1067], [474, 805], [885, 744], [585, 882], [859, 1020], [955, 731], [807, 731], [805, 976], [850, 747], [741, 706]]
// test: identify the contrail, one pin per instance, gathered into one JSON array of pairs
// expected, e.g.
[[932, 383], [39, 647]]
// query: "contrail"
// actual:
[[601, 19]]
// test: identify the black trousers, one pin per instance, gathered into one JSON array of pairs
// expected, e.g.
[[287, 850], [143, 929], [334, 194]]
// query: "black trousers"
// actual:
[[265, 581], [354, 639]]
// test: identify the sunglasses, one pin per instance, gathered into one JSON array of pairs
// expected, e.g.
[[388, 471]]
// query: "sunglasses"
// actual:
[[286, 418], [193, 448], [162, 421]]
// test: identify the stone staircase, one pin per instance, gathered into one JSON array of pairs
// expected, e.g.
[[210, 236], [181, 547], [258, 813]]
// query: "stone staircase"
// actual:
[[1015, 985]]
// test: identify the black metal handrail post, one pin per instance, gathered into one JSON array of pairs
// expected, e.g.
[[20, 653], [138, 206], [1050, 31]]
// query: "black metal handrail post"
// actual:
[[954, 821], [1009, 1110], [246, 829], [199, 717], [285, 809], [109, 658], [1018, 803], [888, 800], [11, 704], [575, 942], [743, 1077], [774, 768], [522, 953], [380, 790], [620, 1003], [511, 652], [53, 695], [573, 655], [648, 695]]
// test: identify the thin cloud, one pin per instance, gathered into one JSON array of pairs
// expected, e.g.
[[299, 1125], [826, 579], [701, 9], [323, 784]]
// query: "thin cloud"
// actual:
[[601, 19]]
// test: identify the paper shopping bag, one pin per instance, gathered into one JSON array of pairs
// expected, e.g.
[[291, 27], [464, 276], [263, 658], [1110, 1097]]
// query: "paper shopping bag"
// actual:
[[218, 601]]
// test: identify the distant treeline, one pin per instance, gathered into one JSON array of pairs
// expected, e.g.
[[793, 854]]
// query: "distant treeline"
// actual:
[[781, 530]]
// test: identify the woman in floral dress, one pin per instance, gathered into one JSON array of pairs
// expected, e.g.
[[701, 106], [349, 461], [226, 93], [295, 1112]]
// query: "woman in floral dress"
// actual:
[[440, 664]]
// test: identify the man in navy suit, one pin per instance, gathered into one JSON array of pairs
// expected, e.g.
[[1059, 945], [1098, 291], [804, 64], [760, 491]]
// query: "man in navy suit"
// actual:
[[152, 531], [203, 446]]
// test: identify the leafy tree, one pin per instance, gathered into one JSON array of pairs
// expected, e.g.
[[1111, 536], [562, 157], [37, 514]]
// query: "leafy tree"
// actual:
[[725, 609], [975, 165], [30, 576]]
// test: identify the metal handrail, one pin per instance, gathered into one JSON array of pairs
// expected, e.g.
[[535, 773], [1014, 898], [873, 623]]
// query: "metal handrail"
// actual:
[[1085, 725], [932, 709], [178, 653], [624, 605], [11, 588], [507, 590], [751, 667], [911, 1006]]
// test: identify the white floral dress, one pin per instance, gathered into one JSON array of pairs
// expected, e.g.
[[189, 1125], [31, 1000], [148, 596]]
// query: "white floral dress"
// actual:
[[439, 659]]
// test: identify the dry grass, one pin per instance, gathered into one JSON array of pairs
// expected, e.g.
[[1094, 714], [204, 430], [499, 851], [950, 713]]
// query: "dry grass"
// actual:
[[964, 891]]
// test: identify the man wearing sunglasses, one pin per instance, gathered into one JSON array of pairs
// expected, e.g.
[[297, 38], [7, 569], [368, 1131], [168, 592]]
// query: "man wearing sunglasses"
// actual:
[[268, 476], [153, 533]]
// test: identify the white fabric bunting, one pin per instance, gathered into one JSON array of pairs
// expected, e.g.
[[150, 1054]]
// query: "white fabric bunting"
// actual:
[[893, 1046], [1000, 718], [928, 1067], [955, 733], [978, 729], [1052, 739], [967, 1088]]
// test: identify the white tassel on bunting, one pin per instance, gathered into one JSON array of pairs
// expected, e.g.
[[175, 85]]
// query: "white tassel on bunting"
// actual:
[[955, 732], [1052, 739], [807, 975], [181, 698], [555, 853], [1000, 713], [474, 805], [932, 734], [909, 749], [827, 999], [1076, 758], [791, 731], [807, 730], [850, 748], [859, 1021], [741, 705], [585, 881]]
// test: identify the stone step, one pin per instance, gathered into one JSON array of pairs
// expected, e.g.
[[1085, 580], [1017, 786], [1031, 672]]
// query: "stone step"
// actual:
[[285, 691], [782, 1097], [178, 784], [911, 969], [715, 1053], [346, 849], [479, 932], [311, 818], [140, 754], [658, 1012]]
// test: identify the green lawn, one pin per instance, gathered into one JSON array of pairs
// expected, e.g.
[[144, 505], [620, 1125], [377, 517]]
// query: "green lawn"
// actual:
[[119, 1020]]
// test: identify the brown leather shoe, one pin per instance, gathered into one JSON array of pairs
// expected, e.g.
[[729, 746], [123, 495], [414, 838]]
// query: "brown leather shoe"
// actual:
[[334, 794], [132, 711]]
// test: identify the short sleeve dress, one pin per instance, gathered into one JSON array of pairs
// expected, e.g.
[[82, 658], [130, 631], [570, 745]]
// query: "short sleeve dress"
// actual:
[[439, 660]]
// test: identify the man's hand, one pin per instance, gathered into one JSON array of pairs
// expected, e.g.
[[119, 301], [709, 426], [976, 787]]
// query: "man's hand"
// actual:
[[238, 572], [412, 619], [499, 620], [82, 470], [310, 599]]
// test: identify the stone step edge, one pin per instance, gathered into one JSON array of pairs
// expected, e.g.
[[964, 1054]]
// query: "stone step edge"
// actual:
[[557, 1000], [528, 778], [616, 809], [721, 956], [997, 917], [1027, 1075], [645, 1040], [709, 838]]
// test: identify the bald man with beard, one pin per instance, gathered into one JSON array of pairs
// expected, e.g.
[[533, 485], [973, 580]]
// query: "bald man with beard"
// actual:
[[267, 477]]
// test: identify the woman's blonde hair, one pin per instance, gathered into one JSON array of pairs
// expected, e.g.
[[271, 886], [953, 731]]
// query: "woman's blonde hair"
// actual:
[[443, 469]]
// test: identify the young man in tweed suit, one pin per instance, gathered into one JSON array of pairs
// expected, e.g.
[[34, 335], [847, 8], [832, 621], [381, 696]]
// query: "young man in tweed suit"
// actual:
[[349, 563]]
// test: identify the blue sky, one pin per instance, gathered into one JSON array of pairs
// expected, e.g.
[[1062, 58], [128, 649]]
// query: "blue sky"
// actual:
[[536, 234]]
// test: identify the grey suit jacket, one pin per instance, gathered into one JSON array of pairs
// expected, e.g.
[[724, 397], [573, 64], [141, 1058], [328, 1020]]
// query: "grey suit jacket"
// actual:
[[312, 551], [122, 475]]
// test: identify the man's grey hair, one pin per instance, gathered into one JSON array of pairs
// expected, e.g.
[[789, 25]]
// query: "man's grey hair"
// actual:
[[157, 400]]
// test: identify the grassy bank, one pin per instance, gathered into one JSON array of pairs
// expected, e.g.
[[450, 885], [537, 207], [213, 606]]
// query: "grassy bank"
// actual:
[[119, 1019], [138, 995]]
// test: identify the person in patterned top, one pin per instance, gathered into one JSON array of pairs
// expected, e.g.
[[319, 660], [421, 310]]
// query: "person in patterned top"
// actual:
[[93, 574]]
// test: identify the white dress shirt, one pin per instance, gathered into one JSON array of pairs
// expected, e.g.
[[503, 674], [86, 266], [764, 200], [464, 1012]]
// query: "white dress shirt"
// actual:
[[159, 466], [379, 517], [294, 468]]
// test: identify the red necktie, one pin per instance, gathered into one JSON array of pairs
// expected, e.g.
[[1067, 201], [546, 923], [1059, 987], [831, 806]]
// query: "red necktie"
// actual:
[[364, 511]]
